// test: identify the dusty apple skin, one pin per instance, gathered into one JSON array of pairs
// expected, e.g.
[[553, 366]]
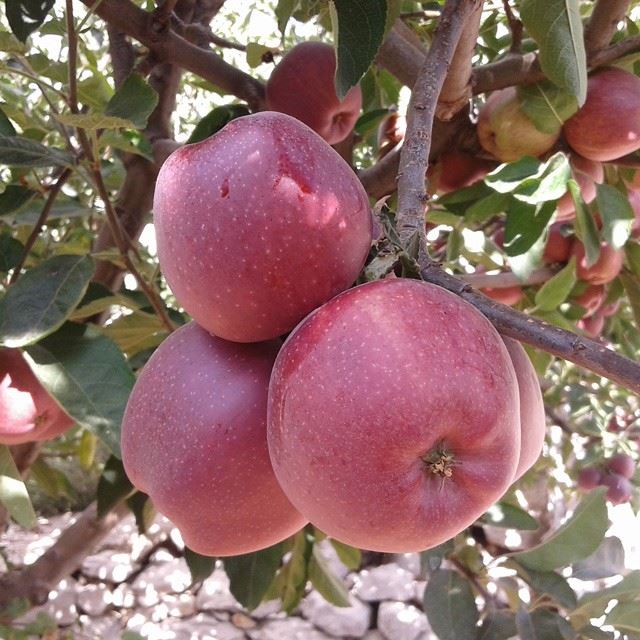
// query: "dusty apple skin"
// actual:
[[378, 378], [194, 439], [608, 125], [302, 85], [27, 412], [259, 225], [532, 416]]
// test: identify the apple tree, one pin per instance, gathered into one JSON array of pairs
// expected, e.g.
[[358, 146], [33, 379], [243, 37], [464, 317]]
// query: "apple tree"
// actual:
[[436, 205]]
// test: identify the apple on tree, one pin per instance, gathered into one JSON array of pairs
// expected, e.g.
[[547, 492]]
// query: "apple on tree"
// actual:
[[27, 412], [302, 86], [259, 225], [605, 269], [586, 173], [194, 439]]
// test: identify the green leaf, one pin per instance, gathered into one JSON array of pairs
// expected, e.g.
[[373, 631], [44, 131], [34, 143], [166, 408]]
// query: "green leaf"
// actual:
[[606, 561], [431, 559], [135, 332], [14, 197], [525, 225], [291, 580], [593, 605], [216, 119], [550, 583], [556, 26], [543, 624], [585, 225], [255, 53], [548, 183], [625, 617], [594, 633], [508, 516], [10, 44], [43, 298], [368, 122], [631, 284], [498, 625], [327, 585], [450, 606], [10, 252], [486, 208], [143, 510], [92, 121], [556, 290], [547, 106], [349, 556], [25, 16], [575, 540], [134, 101], [13, 492], [16, 151], [6, 126], [52, 481], [252, 573], [113, 486], [358, 30], [87, 449], [284, 10], [88, 375], [616, 213], [508, 177], [201, 567], [632, 254]]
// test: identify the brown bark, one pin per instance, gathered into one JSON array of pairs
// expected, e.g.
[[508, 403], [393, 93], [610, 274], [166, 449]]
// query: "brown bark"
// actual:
[[602, 24]]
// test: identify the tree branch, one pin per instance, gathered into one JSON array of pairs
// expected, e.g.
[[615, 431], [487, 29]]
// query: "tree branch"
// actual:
[[414, 156], [165, 45], [506, 279], [603, 23], [564, 344], [456, 90]]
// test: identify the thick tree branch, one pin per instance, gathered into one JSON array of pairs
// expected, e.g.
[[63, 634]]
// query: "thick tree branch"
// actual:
[[603, 22], [456, 90], [564, 344], [414, 157], [402, 54], [165, 45]]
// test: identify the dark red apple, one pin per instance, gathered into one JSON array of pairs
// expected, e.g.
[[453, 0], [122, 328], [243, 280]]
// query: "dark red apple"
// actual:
[[506, 295], [259, 225], [532, 416], [619, 488], [302, 86], [390, 132], [606, 267], [558, 247], [608, 124], [593, 325], [622, 464], [27, 412], [591, 299], [457, 169], [194, 439], [589, 478], [507, 132], [586, 173], [394, 416]]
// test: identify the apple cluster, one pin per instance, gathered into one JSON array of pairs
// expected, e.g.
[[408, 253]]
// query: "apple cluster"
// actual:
[[392, 415], [615, 473]]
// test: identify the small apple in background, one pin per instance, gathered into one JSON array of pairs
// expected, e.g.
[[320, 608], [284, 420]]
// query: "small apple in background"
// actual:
[[622, 464], [390, 132], [558, 247], [619, 488], [376, 434], [27, 412], [586, 173], [505, 295], [591, 299], [593, 325], [302, 86], [532, 415], [590, 478], [608, 124], [605, 269], [258, 225], [505, 130], [457, 169], [194, 439]]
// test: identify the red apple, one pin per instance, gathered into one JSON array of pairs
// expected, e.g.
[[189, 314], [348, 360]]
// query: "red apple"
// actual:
[[27, 412], [390, 132], [194, 439], [593, 325], [622, 464], [394, 416], [586, 173], [507, 132], [506, 295], [302, 86], [457, 169], [606, 267], [589, 478], [634, 201], [591, 299], [532, 416], [619, 488], [259, 225], [608, 124], [558, 247]]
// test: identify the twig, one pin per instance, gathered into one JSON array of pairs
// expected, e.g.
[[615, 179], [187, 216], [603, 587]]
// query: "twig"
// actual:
[[506, 279], [414, 157], [162, 13], [615, 51], [426, 15], [515, 26], [603, 22], [557, 419], [72, 60], [541, 335], [200, 34], [42, 219]]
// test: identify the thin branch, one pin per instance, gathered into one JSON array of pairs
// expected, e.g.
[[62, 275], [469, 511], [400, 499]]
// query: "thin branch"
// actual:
[[615, 51], [162, 13], [414, 157], [42, 219], [200, 34], [72, 58], [603, 22], [424, 15], [515, 26], [541, 335], [170, 47], [456, 90], [506, 279]]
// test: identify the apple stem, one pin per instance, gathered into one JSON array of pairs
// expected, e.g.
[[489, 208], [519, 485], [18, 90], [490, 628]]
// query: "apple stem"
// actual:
[[440, 461]]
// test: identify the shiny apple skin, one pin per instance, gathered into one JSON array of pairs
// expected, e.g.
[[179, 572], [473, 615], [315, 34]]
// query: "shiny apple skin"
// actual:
[[378, 378]]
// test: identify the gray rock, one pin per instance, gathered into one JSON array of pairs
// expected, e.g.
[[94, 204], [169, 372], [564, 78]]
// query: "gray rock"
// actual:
[[94, 599], [123, 597], [202, 627], [157, 579], [61, 606], [328, 552], [400, 621], [105, 628], [215, 595], [350, 621], [386, 582], [408, 561], [268, 609], [109, 566], [288, 629], [374, 635]]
